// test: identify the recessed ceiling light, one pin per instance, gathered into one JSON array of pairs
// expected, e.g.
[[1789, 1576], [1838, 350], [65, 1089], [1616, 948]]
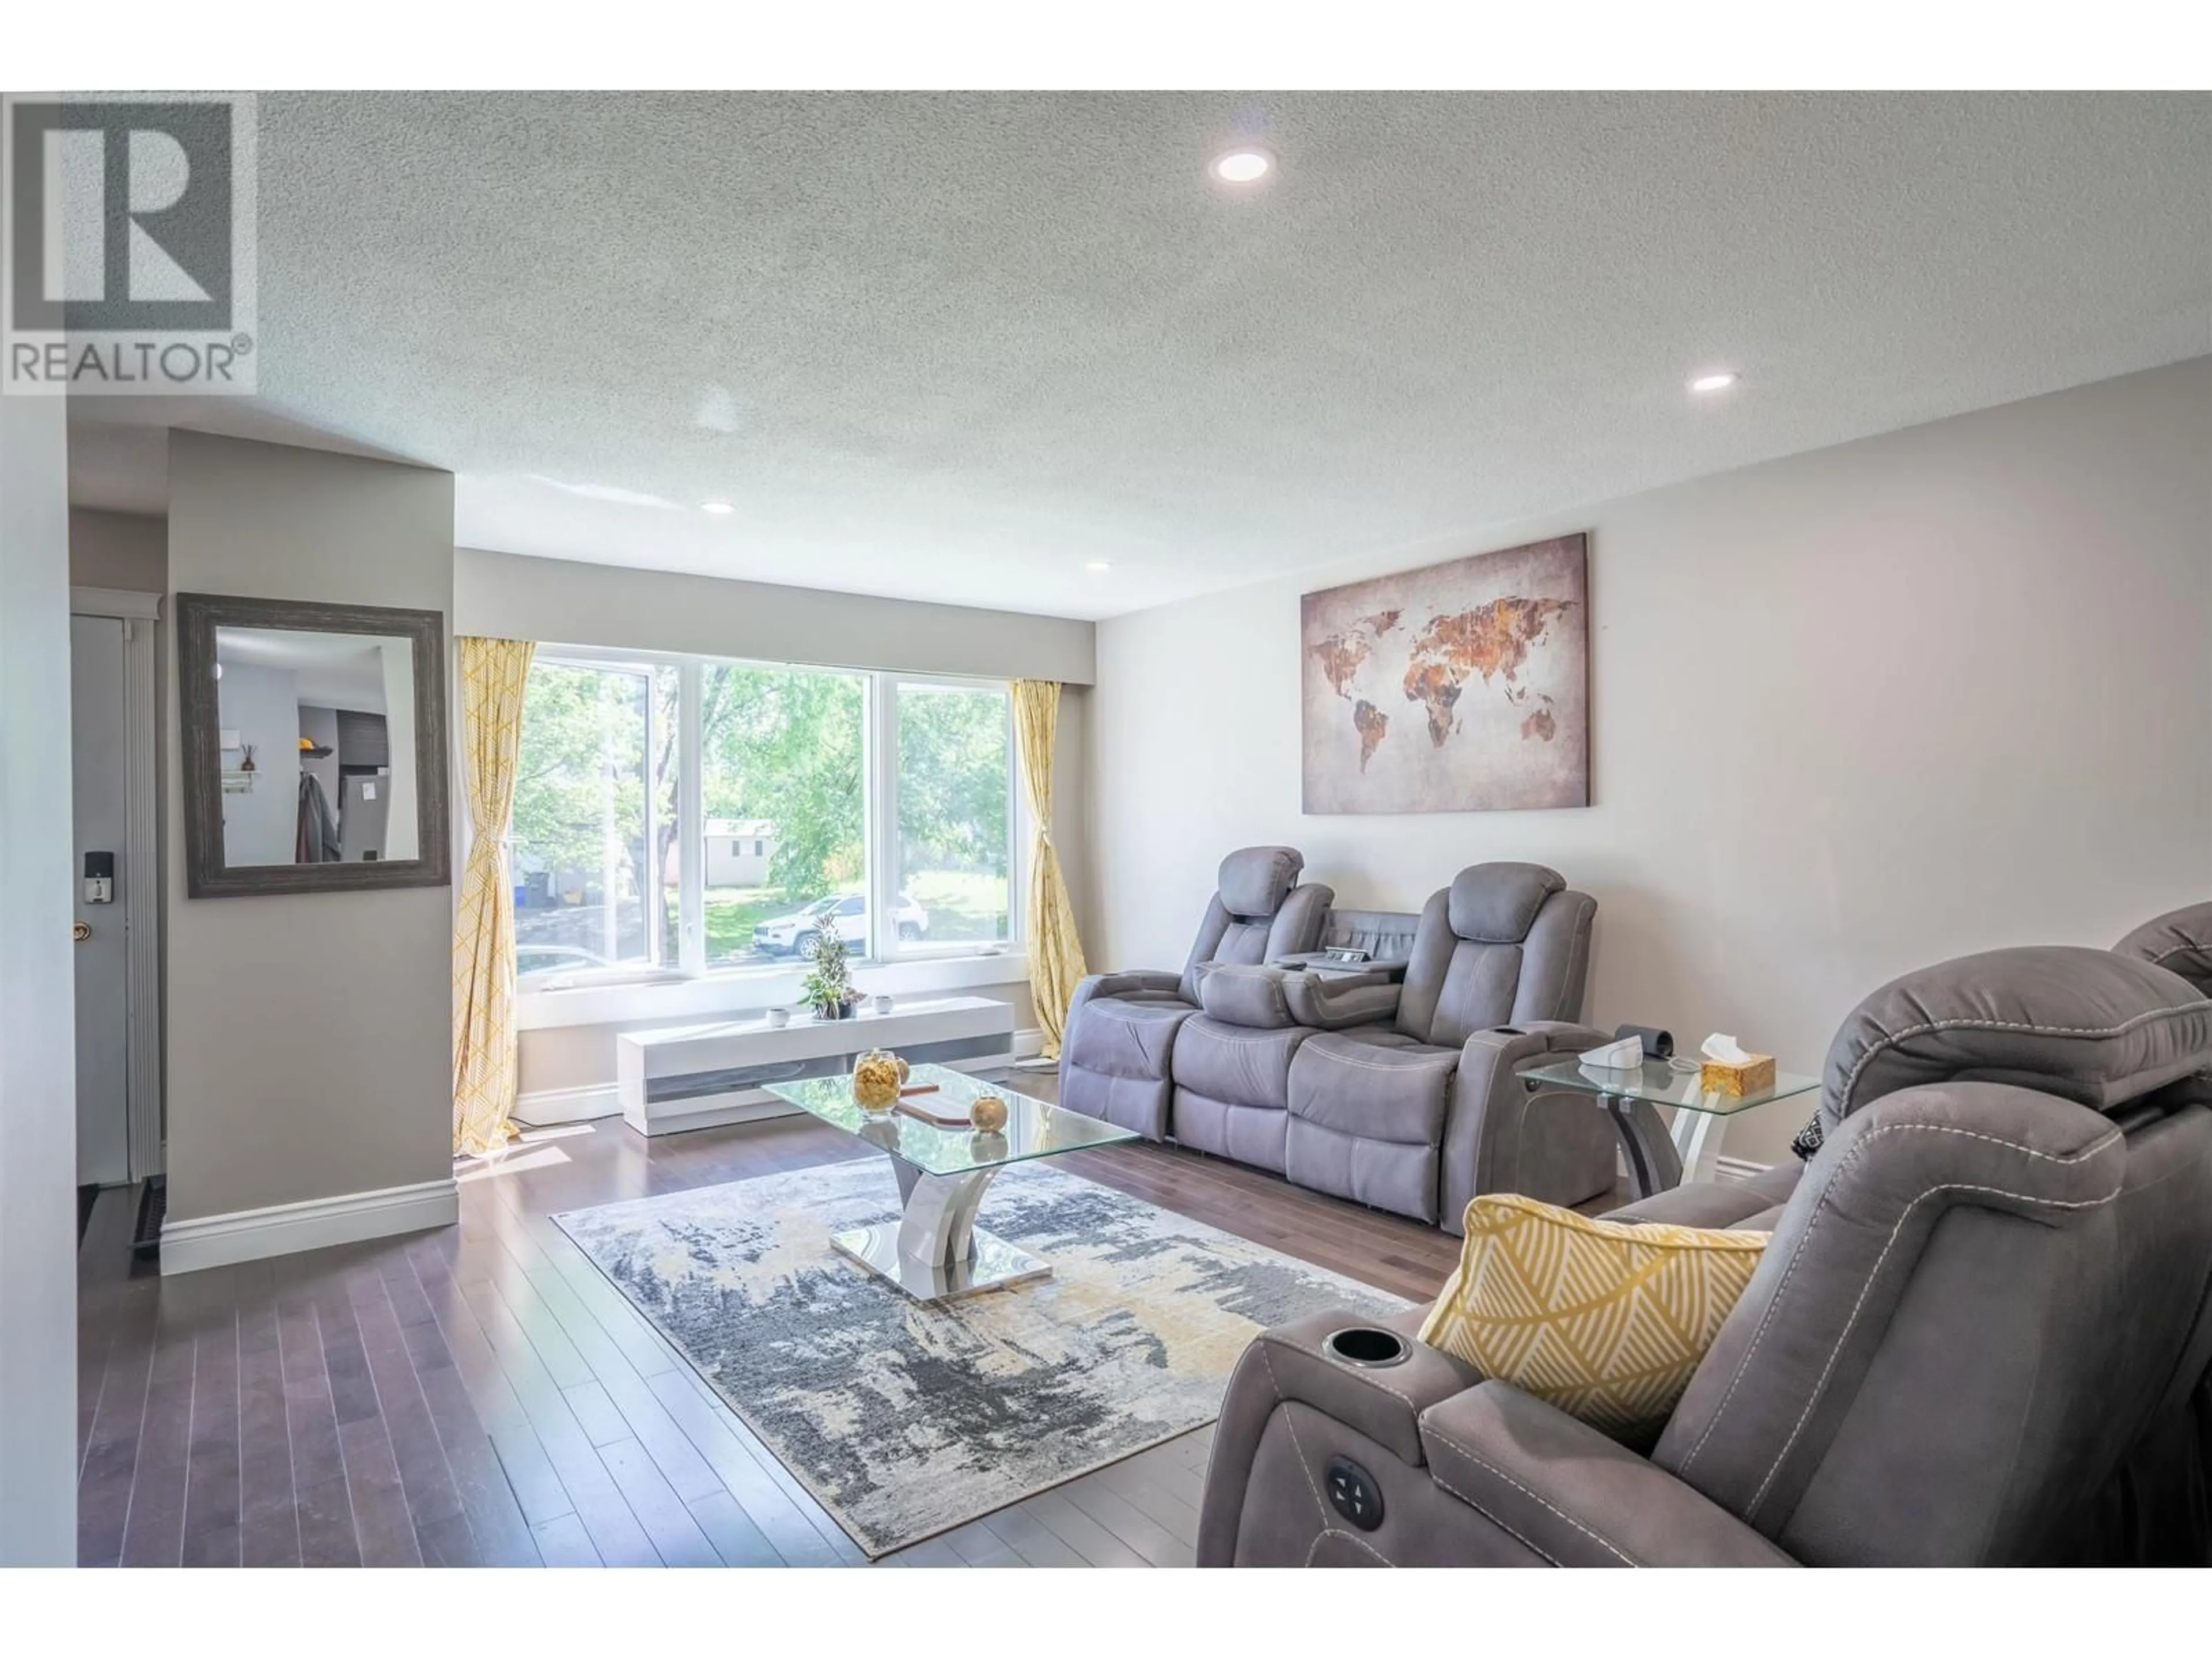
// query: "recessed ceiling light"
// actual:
[[716, 507], [1096, 566], [1244, 165], [1718, 382]]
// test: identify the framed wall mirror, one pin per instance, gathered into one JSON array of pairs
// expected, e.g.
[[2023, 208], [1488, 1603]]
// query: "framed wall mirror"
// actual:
[[314, 746]]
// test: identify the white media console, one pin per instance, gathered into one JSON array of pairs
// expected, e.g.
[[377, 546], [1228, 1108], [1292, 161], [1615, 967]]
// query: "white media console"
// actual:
[[694, 1077]]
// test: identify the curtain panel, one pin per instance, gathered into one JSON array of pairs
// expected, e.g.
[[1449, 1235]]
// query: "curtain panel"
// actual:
[[494, 674], [1055, 953]]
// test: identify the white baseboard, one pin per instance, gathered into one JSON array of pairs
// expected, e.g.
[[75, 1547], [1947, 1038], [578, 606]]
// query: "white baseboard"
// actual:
[[217, 1241], [542, 1108], [1028, 1044]]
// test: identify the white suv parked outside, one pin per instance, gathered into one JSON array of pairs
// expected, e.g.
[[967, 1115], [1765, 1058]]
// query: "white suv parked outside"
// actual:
[[795, 935]]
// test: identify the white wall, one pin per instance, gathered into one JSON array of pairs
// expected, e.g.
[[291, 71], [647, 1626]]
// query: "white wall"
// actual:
[[558, 601], [125, 550], [38, 1056], [1853, 712], [309, 1035], [402, 832]]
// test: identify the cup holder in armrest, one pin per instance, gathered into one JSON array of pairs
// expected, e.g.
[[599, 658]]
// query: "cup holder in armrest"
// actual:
[[1365, 1346]]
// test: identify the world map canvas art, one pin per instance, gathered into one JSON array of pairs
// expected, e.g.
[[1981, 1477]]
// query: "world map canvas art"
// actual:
[[1458, 688]]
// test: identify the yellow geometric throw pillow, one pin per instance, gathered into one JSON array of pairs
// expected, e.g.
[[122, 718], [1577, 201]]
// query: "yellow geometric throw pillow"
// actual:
[[1604, 1319]]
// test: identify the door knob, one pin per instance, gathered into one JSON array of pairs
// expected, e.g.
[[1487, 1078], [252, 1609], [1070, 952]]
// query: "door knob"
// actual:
[[81, 930]]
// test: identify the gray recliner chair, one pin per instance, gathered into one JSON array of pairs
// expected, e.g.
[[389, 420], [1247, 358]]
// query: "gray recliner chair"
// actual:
[[1119, 1041], [2180, 941], [1402, 1097], [2168, 1485], [1983, 1307]]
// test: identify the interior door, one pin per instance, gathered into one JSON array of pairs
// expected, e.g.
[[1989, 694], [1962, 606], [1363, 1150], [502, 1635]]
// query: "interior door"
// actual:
[[99, 773]]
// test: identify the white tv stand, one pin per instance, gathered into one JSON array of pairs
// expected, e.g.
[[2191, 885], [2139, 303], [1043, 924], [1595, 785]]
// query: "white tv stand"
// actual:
[[695, 1077]]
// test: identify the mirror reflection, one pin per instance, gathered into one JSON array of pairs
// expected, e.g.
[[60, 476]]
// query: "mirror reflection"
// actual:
[[317, 746]]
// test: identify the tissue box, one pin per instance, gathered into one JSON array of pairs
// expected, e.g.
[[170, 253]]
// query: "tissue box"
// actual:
[[1746, 1076]]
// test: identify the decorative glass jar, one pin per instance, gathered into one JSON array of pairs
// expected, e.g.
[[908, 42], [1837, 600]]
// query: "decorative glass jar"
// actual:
[[876, 1076]]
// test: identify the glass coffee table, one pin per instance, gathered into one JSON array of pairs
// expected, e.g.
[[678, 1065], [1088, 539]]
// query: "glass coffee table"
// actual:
[[1632, 1094], [936, 1251]]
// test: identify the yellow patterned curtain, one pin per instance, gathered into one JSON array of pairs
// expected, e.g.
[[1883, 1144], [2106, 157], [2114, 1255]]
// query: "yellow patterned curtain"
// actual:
[[493, 675], [1055, 952]]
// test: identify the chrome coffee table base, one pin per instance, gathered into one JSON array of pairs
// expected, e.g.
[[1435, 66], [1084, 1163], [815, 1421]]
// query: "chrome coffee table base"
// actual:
[[936, 1252], [994, 1264]]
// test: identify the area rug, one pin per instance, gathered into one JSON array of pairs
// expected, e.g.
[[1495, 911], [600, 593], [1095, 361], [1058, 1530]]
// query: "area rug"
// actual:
[[905, 1420]]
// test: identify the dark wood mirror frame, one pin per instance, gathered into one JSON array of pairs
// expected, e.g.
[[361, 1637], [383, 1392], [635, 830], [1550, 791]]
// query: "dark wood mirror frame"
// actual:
[[206, 875]]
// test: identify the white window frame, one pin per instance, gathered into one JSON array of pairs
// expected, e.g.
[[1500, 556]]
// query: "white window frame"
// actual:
[[690, 985], [652, 970], [883, 931]]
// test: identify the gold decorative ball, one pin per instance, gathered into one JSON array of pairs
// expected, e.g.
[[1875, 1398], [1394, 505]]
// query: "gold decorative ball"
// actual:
[[988, 1114], [876, 1081]]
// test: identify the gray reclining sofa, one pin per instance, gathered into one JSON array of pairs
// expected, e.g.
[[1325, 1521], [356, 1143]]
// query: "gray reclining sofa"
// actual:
[[1120, 1038], [1395, 1088], [1980, 1335], [1231, 1083]]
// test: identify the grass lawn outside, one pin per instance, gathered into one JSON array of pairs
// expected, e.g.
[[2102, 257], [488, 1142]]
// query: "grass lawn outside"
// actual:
[[732, 913], [961, 904]]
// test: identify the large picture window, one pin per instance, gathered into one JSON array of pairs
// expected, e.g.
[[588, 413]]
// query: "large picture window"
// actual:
[[955, 768], [682, 816], [587, 821], [783, 785]]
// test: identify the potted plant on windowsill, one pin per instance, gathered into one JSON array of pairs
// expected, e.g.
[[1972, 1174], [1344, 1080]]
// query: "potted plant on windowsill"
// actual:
[[828, 988]]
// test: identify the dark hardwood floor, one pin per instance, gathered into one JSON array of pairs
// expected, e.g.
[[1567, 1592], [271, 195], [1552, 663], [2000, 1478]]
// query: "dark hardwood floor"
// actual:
[[482, 1396]]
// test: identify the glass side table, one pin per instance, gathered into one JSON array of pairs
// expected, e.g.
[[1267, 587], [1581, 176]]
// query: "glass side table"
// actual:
[[1631, 1095]]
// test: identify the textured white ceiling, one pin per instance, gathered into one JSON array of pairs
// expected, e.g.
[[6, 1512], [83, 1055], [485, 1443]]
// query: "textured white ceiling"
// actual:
[[954, 347]]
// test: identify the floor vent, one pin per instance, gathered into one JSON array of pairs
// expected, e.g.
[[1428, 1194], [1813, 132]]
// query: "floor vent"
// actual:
[[153, 1205]]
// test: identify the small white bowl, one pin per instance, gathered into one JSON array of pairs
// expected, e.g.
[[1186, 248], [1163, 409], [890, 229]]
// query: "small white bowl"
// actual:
[[779, 1017], [882, 1005]]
